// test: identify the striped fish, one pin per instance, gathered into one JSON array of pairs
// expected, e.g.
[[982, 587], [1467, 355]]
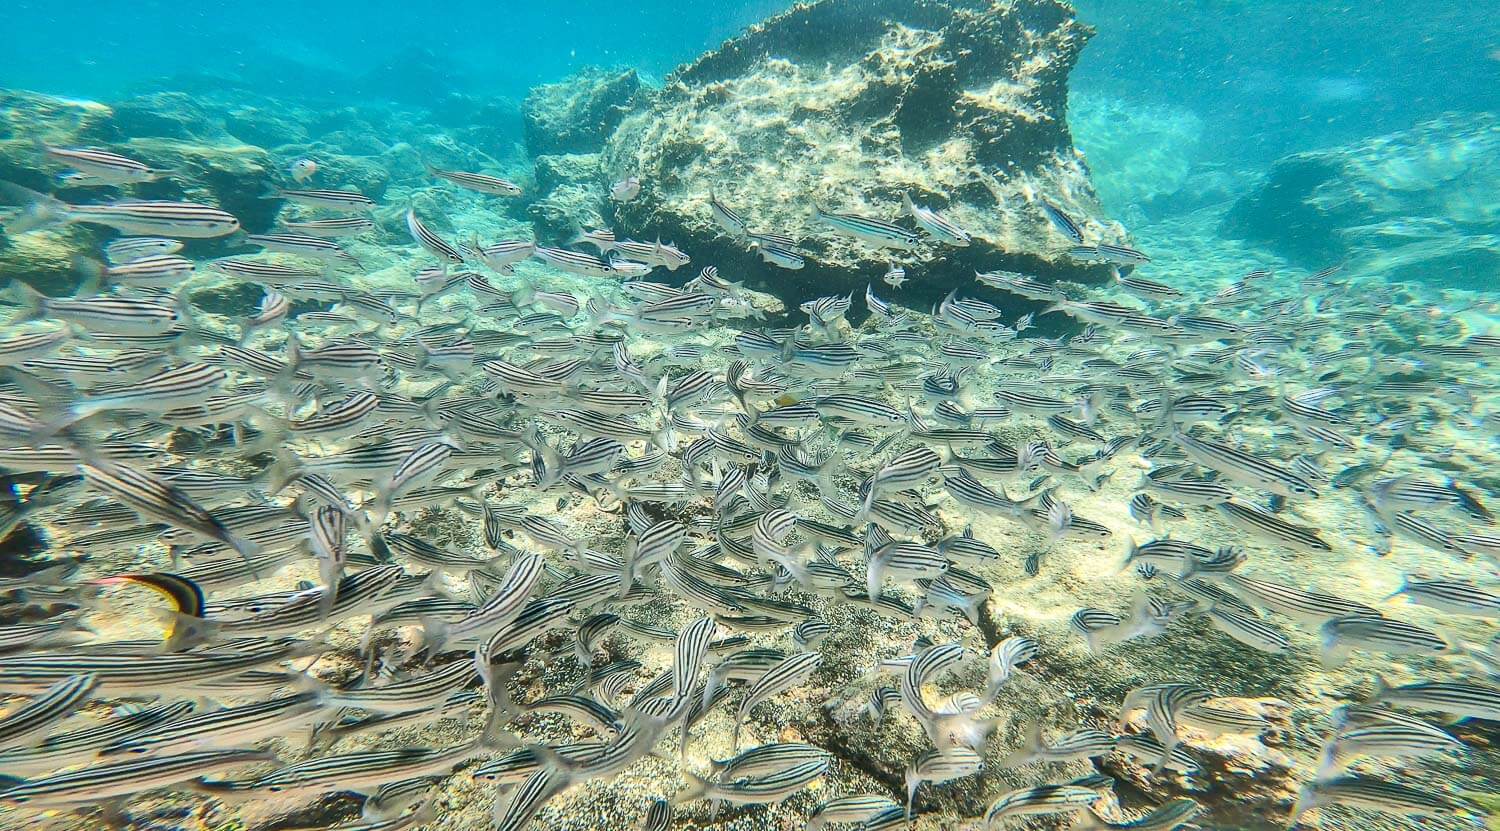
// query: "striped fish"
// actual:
[[224, 728], [727, 218], [162, 271], [1039, 800], [1075, 746], [103, 167], [20, 726], [435, 245], [344, 226], [935, 224], [587, 265], [343, 201], [90, 784], [1272, 528], [940, 766], [19, 349], [1456, 698], [1451, 596], [482, 183], [302, 245], [1062, 222], [1373, 794], [502, 608], [1109, 253], [155, 499], [790, 672], [172, 387], [1377, 633], [128, 249], [1244, 467], [876, 232], [358, 771], [180, 220], [770, 788], [100, 315]]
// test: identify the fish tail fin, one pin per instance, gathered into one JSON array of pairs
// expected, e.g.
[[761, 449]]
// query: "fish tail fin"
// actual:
[[32, 302], [272, 191], [1334, 655], [186, 631], [1031, 745], [796, 569], [1328, 760], [282, 472], [874, 578], [1132, 551], [38, 210], [91, 273], [970, 608], [697, 788], [913, 781], [502, 709], [1306, 801], [434, 635]]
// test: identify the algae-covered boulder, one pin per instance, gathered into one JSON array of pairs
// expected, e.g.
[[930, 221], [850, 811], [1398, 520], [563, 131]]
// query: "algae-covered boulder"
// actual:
[[578, 114], [1416, 205], [263, 126], [568, 185], [174, 115], [850, 104], [60, 119], [45, 259]]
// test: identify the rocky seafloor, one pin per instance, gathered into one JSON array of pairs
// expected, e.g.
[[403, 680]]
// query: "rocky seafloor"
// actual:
[[907, 100]]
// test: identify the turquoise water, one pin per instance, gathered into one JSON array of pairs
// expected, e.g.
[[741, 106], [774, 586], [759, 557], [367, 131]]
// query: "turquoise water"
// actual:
[[1222, 88], [374, 396]]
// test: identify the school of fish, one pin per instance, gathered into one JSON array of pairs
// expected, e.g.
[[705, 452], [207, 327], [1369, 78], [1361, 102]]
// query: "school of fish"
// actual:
[[747, 477]]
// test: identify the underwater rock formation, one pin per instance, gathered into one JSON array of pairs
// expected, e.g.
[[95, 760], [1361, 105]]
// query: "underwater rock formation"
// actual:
[[961, 105], [226, 148], [569, 195], [578, 114], [1416, 205]]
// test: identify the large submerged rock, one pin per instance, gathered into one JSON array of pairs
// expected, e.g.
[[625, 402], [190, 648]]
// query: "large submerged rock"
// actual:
[[1416, 205], [850, 104], [578, 115]]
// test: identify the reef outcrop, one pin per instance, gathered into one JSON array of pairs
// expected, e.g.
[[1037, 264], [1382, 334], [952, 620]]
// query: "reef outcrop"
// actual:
[[1416, 205], [961, 105], [578, 114]]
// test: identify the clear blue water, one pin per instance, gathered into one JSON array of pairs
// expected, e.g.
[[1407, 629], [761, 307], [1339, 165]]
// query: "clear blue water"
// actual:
[[106, 48], [1265, 78], [1221, 135]]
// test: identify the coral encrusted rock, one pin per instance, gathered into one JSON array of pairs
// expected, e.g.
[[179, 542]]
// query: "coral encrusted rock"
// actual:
[[849, 104], [577, 114]]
